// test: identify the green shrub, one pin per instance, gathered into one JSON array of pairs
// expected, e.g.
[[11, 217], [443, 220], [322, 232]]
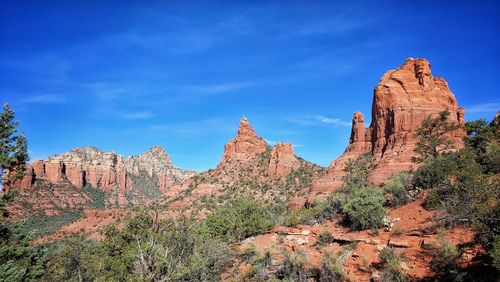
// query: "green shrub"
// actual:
[[446, 256], [490, 159], [19, 260], [392, 266], [396, 189], [433, 201], [357, 172], [238, 220], [317, 212], [294, 267], [300, 216], [325, 237], [249, 253], [432, 137], [331, 269], [435, 173], [143, 250], [365, 209]]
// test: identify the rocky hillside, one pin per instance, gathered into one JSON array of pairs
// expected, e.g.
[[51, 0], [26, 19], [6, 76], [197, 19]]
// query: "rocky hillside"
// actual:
[[250, 168], [402, 100], [89, 177]]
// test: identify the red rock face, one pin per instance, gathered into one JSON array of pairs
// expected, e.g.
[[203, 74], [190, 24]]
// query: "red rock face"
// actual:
[[105, 171], [245, 145], [28, 181], [106, 180], [166, 182], [39, 168], [402, 100], [283, 160], [123, 182], [75, 174], [54, 171]]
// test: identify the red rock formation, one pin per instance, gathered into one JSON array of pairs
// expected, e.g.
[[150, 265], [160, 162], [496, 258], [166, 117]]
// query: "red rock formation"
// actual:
[[165, 182], [402, 100], [123, 182], [75, 174], [283, 160], [28, 180], [54, 171], [39, 168], [245, 145], [105, 171]]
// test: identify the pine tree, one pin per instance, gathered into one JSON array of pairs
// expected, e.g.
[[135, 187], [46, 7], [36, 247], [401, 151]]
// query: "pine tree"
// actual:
[[13, 148], [19, 260], [433, 137]]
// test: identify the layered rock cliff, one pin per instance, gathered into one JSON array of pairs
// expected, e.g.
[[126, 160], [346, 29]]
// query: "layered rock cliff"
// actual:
[[105, 171], [402, 100]]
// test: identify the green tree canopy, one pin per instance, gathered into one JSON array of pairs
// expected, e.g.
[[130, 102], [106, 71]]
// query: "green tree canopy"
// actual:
[[13, 148], [433, 136]]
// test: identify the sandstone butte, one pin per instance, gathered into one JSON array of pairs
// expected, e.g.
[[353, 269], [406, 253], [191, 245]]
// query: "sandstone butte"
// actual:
[[106, 171], [247, 145], [402, 100]]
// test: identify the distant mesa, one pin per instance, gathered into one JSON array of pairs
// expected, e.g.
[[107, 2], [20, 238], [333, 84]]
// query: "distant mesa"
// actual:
[[106, 171]]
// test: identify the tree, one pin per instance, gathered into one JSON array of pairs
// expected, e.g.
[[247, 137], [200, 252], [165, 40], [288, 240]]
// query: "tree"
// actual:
[[357, 172], [19, 261], [13, 148], [483, 138], [364, 209], [238, 220], [433, 137]]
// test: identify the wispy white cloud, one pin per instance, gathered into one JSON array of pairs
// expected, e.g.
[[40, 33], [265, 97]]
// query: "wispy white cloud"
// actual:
[[314, 120], [217, 88], [45, 99], [483, 108], [328, 120]]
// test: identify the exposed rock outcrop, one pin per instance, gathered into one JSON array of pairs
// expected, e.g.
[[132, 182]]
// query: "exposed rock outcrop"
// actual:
[[245, 145], [106, 171], [249, 168], [402, 100], [283, 160]]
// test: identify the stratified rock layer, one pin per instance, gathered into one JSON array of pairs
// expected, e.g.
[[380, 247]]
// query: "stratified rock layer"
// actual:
[[402, 100], [283, 160], [106, 171]]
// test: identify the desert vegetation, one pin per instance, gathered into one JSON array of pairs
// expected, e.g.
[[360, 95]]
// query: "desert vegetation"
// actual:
[[460, 184]]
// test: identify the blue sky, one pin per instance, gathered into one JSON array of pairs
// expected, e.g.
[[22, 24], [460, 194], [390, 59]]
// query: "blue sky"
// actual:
[[127, 75]]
